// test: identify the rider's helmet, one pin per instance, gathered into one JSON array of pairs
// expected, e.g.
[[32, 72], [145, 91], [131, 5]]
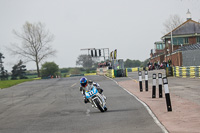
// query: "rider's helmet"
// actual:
[[83, 82]]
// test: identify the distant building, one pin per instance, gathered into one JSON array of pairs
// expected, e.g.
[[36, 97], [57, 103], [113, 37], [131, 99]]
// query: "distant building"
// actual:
[[188, 33], [159, 47]]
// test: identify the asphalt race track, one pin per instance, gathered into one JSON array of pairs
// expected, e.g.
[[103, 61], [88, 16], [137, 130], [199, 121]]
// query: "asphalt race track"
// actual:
[[56, 106]]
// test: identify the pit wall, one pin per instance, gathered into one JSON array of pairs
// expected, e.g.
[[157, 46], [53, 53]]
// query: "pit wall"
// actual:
[[184, 72], [102, 71], [115, 73], [110, 73]]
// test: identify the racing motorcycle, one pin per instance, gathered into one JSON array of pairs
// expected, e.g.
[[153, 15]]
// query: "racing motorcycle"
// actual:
[[96, 99]]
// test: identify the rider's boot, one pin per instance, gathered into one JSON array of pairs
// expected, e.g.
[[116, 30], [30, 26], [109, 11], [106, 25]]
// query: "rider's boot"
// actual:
[[86, 100], [105, 108], [104, 97]]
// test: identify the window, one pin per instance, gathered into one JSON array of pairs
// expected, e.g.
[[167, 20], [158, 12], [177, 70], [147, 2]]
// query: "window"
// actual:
[[177, 41], [186, 40], [157, 46], [198, 39], [161, 46], [181, 40]]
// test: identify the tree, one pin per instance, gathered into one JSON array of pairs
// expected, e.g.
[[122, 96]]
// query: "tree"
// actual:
[[14, 72], [64, 70], [85, 61], [19, 70], [49, 69], [75, 71], [144, 63], [171, 23], [35, 44], [3, 73], [132, 63]]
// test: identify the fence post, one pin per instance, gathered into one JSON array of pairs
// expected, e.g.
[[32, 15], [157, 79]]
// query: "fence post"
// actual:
[[140, 80], [168, 101], [160, 84], [154, 86]]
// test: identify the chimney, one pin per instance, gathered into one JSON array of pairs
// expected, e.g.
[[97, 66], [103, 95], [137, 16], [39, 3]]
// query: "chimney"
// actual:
[[188, 15], [151, 54]]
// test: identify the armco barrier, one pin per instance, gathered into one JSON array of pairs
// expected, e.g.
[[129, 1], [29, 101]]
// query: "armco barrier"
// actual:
[[192, 71], [87, 74], [135, 69], [129, 69]]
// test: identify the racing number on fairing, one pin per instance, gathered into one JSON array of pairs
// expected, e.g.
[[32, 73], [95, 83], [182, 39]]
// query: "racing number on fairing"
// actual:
[[91, 93]]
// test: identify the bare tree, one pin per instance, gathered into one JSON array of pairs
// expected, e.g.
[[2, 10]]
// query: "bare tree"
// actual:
[[171, 23], [35, 44]]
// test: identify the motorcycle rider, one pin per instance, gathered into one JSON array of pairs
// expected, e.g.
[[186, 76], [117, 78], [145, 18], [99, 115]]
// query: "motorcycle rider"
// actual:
[[86, 85]]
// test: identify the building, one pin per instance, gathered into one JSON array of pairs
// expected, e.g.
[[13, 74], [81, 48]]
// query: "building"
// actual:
[[188, 33]]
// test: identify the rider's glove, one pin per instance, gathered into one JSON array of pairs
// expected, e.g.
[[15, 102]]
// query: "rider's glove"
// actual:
[[100, 90]]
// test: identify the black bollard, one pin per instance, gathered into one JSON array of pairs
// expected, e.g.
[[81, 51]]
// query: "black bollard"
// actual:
[[160, 84], [146, 80], [168, 101], [140, 80], [154, 86]]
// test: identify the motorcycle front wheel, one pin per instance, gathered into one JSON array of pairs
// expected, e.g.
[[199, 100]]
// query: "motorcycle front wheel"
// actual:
[[98, 105]]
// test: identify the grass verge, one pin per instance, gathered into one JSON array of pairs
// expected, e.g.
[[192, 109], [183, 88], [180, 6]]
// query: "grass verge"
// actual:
[[9, 83]]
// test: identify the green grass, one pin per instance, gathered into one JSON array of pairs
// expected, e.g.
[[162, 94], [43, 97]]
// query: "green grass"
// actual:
[[9, 83]]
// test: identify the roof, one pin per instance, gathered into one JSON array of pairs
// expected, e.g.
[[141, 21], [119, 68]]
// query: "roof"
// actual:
[[188, 47], [188, 27], [159, 42]]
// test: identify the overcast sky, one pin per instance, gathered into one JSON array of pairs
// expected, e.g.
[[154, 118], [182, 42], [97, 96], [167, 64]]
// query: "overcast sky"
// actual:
[[130, 26]]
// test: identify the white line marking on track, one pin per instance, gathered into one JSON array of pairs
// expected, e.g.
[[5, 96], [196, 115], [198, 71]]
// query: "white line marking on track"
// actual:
[[132, 79], [73, 85], [146, 106]]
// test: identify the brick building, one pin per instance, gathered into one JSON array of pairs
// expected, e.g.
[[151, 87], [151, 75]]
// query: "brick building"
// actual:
[[188, 33]]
